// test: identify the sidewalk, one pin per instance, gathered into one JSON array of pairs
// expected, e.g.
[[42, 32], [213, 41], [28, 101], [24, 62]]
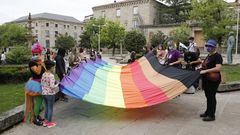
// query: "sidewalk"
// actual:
[[179, 116]]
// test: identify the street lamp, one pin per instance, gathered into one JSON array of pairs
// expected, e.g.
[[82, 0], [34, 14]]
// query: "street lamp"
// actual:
[[237, 28], [99, 35]]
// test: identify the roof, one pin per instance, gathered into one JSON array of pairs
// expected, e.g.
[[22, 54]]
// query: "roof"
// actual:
[[122, 2], [49, 16]]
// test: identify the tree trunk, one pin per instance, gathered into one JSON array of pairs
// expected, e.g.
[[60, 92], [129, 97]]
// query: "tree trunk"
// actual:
[[113, 51]]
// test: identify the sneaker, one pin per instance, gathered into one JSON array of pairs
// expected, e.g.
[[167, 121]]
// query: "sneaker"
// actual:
[[45, 122], [203, 115], [51, 124], [208, 118]]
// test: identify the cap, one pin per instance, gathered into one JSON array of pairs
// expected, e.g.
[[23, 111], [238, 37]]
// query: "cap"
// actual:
[[211, 43]]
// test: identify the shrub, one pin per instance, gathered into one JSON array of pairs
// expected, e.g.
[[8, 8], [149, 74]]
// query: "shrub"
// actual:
[[134, 41], [14, 74], [19, 55]]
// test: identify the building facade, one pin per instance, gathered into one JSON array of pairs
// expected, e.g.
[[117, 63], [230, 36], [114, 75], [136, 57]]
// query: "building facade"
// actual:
[[130, 13], [143, 15], [47, 27]]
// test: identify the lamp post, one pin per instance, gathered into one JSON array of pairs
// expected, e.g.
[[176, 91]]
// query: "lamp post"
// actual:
[[99, 35], [237, 28]]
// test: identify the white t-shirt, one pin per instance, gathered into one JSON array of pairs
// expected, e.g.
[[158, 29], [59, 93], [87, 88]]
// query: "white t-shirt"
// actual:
[[192, 47], [3, 57]]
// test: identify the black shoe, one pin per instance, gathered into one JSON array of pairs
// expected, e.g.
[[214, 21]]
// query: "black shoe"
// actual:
[[203, 115], [38, 122], [208, 118], [40, 118], [64, 99]]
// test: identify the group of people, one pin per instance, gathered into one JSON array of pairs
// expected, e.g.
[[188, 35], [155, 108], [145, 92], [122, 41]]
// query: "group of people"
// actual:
[[209, 68], [42, 86]]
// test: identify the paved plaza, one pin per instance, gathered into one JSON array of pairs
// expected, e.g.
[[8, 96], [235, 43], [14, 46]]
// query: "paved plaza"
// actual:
[[179, 116]]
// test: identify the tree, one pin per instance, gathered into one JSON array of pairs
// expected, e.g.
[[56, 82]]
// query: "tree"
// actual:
[[134, 41], [158, 38], [65, 42], [19, 55], [85, 40], [215, 18], [112, 35], [90, 38], [12, 35], [177, 11], [181, 34]]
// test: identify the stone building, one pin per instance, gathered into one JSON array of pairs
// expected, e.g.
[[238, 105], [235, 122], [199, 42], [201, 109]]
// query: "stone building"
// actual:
[[143, 15], [47, 26]]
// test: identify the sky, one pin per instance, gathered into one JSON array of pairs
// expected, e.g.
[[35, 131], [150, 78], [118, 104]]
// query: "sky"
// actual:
[[13, 9]]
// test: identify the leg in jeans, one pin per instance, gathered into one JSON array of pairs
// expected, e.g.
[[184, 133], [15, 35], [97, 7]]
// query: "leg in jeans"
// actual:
[[49, 106], [46, 106]]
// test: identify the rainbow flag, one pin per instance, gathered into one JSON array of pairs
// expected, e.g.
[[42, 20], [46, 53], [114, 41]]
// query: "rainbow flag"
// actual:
[[140, 84]]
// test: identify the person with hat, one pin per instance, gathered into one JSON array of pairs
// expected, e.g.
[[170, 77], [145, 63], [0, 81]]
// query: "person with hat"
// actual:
[[49, 90], [211, 78], [33, 86]]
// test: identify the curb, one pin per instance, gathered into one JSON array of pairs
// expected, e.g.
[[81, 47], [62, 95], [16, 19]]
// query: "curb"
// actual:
[[229, 86], [11, 117]]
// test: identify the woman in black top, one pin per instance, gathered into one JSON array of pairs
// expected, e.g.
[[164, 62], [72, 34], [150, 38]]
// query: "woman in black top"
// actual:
[[211, 79]]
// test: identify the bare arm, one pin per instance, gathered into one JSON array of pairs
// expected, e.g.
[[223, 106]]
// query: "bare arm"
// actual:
[[215, 69]]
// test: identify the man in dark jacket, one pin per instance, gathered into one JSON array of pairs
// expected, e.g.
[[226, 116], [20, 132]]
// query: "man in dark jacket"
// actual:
[[60, 70]]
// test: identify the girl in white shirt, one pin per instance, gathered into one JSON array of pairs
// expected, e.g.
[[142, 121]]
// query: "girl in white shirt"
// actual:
[[49, 90]]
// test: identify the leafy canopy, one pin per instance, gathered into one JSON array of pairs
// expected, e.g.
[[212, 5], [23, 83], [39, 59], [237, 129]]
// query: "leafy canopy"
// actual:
[[12, 35], [134, 41], [66, 42], [214, 16]]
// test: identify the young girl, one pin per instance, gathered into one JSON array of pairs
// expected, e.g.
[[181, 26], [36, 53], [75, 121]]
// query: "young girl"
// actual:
[[49, 90]]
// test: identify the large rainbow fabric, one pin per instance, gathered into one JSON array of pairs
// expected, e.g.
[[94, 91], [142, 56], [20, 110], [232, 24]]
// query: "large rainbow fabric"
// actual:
[[140, 84]]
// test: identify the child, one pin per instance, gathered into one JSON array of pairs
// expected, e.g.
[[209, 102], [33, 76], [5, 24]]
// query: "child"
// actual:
[[49, 90]]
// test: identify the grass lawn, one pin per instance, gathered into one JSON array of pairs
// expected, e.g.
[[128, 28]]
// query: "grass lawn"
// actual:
[[230, 73], [12, 95]]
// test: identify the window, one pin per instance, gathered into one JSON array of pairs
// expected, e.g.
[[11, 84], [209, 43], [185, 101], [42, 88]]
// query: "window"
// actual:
[[75, 35], [103, 14], [47, 33], [56, 33], [68, 26], [36, 24], [56, 25], [64, 26], [36, 31], [47, 44], [66, 34], [75, 27], [81, 28], [135, 23], [135, 10], [47, 24], [118, 12]]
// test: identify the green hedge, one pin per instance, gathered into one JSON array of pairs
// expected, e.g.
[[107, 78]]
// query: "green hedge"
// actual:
[[14, 74]]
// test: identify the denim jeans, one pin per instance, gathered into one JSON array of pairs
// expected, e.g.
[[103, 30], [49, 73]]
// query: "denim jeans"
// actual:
[[49, 100]]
